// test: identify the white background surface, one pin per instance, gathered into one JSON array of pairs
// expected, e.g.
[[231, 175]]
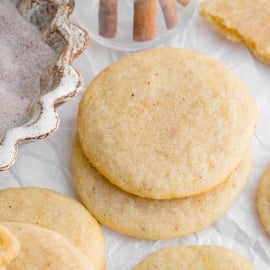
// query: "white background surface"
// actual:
[[46, 163]]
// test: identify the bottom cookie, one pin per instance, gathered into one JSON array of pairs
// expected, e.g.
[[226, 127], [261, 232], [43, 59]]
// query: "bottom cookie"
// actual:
[[154, 219]]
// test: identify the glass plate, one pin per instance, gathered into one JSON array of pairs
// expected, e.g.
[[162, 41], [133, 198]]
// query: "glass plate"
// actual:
[[124, 37]]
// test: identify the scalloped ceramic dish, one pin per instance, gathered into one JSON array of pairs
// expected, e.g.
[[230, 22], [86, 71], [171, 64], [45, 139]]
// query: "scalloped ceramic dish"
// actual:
[[59, 82]]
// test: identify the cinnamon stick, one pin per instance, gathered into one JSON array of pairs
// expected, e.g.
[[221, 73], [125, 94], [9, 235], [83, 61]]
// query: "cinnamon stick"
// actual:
[[107, 17], [183, 2], [169, 12], [144, 25]]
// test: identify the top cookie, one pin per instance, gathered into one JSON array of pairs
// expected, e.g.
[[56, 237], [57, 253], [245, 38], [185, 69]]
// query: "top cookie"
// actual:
[[166, 123], [243, 20]]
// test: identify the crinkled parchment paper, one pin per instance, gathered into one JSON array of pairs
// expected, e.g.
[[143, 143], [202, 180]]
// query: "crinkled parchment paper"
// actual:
[[46, 163]]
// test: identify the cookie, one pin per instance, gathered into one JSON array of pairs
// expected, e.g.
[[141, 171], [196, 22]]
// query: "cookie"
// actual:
[[57, 212], [166, 123], [149, 218], [246, 21], [263, 199], [44, 249], [195, 257], [9, 246]]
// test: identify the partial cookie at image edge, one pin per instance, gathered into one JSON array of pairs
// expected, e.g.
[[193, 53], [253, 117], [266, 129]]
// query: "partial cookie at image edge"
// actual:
[[236, 20], [194, 257], [9, 246], [263, 199]]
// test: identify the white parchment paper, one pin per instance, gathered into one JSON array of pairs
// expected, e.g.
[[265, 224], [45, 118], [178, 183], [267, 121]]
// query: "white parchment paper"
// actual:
[[46, 163]]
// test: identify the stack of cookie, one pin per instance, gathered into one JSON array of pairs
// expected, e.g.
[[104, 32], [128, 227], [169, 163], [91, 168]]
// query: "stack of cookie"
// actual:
[[164, 143]]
